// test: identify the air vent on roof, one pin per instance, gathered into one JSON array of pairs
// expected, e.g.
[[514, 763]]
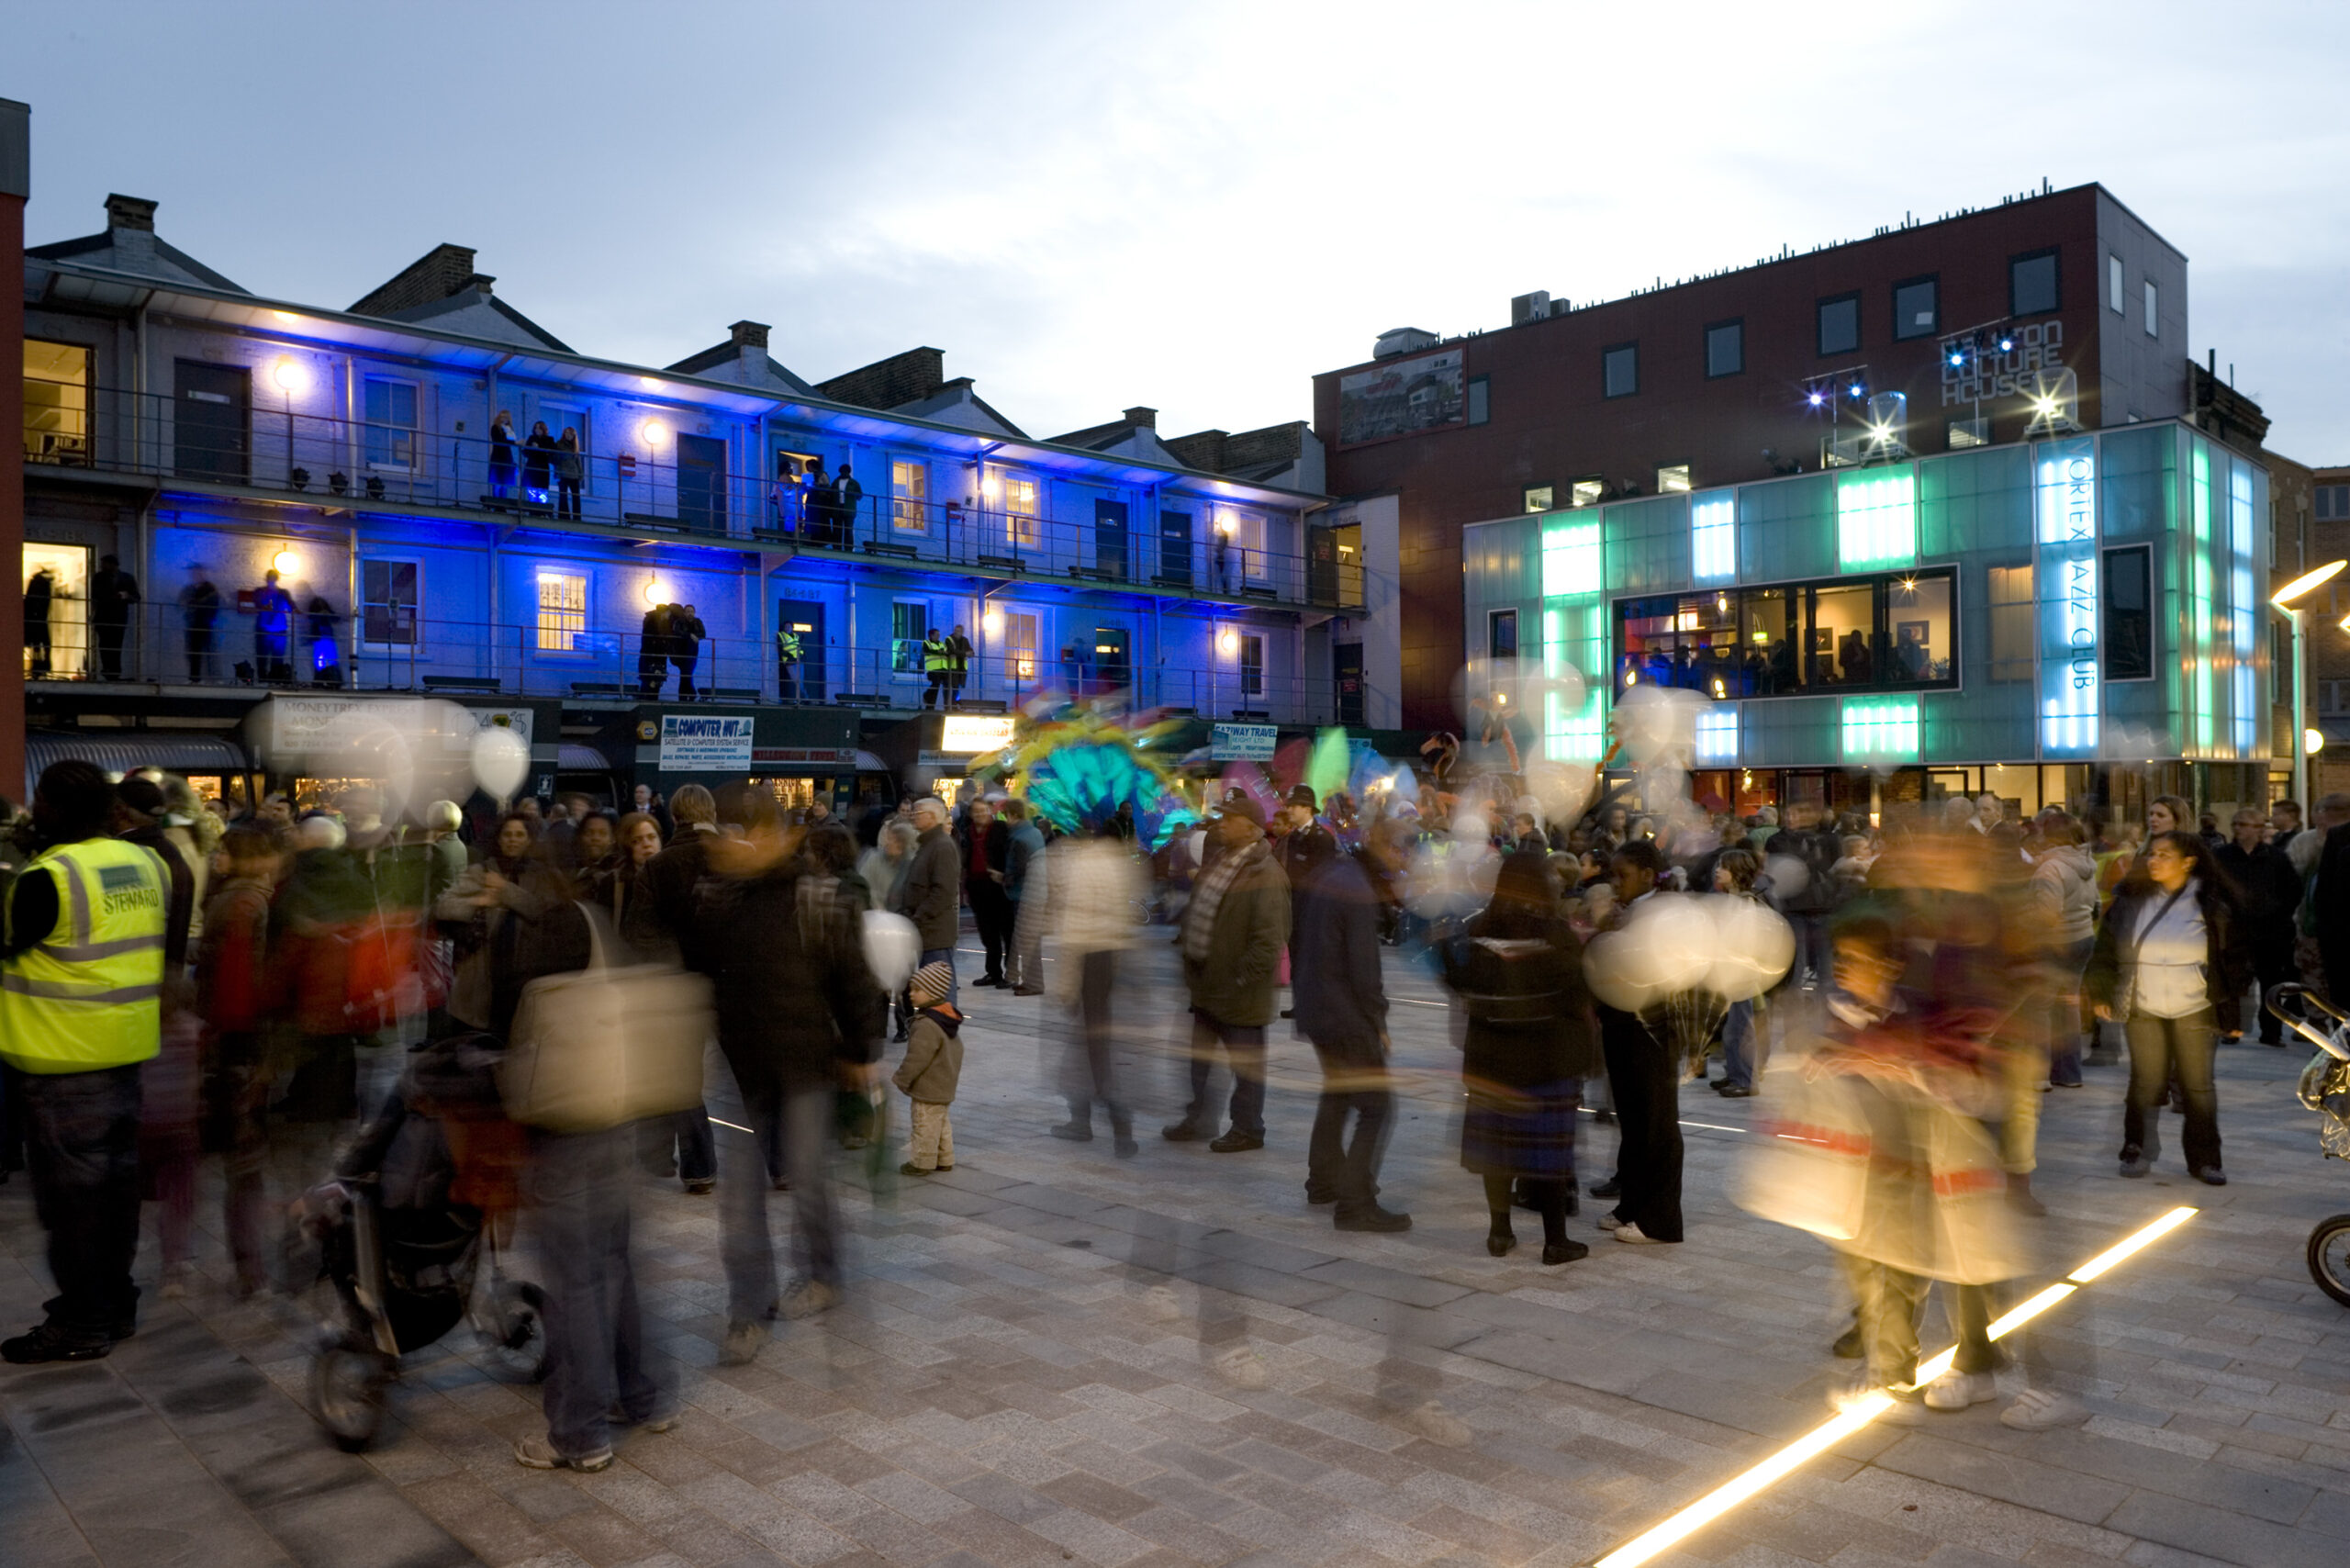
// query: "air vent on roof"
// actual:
[[1402, 340]]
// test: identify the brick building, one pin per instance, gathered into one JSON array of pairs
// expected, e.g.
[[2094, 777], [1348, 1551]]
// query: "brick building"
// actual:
[[2050, 311]]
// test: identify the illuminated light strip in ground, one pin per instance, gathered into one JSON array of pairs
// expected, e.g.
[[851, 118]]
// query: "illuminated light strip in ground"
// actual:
[[1732, 1493]]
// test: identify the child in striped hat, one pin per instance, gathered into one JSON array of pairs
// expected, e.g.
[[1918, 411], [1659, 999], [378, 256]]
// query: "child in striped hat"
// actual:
[[931, 1071]]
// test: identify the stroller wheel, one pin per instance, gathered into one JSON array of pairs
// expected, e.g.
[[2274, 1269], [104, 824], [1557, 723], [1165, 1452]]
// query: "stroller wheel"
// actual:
[[519, 1332], [2330, 1257], [347, 1388]]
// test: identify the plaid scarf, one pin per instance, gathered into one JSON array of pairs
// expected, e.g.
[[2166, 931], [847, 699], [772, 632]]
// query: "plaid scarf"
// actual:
[[1198, 920]]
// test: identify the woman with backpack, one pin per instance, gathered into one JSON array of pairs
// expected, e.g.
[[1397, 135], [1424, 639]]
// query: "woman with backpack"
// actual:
[[1517, 969]]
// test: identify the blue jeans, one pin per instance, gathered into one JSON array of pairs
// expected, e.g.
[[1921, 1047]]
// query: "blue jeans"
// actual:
[[2065, 1017], [1811, 960], [682, 1142], [1738, 1044], [1245, 1045], [595, 1354], [804, 1123], [81, 1142]]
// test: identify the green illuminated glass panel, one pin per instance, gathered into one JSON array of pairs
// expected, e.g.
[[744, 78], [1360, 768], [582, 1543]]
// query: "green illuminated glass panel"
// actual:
[[1571, 559], [1881, 728], [1876, 518]]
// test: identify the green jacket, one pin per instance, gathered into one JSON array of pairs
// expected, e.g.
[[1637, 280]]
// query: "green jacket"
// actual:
[[1236, 985]]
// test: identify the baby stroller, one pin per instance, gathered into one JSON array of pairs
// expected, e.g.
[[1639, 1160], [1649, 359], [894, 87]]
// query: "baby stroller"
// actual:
[[2325, 1089], [404, 1230]]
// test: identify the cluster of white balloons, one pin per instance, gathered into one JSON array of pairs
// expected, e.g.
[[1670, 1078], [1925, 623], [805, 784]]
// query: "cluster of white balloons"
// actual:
[[1735, 948]]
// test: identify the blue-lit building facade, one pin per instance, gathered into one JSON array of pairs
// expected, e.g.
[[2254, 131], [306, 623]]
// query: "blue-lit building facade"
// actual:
[[2078, 620], [201, 433]]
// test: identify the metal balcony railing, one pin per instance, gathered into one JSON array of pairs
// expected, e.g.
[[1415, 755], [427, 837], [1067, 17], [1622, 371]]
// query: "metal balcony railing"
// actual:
[[564, 654], [658, 490]]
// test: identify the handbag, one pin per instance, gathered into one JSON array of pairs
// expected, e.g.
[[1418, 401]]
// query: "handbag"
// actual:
[[598, 1047]]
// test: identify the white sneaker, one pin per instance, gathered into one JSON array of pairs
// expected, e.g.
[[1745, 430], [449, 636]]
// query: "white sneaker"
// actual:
[[2043, 1410], [1957, 1390], [1608, 1222], [1438, 1425], [1632, 1233], [1160, 1304], [1241, 1368]]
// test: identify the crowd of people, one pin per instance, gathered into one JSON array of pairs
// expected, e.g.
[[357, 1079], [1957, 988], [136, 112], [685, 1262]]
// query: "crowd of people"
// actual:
[[179, 985]]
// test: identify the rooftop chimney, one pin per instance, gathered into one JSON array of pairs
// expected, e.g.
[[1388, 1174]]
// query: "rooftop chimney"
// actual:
[[440, 272], [1147, 418], [130, 212], [748, 334]]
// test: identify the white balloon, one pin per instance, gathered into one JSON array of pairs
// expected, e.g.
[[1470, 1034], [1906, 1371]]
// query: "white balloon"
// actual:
[[1753, 945], [1788, 875], [1607, 970], [501, 761], [1679, 931], [893, 947]]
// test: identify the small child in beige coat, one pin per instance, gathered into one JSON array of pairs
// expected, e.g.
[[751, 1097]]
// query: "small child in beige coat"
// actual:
[[931, 1071]]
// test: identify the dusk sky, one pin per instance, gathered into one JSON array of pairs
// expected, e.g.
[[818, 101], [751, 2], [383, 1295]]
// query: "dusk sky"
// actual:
[[1191, 206]]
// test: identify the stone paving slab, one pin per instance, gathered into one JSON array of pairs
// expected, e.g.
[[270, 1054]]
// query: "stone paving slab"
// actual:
[[1024, 1375]]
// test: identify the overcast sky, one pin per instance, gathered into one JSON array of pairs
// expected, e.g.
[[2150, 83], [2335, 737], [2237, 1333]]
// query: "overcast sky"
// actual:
[[1191, 206]]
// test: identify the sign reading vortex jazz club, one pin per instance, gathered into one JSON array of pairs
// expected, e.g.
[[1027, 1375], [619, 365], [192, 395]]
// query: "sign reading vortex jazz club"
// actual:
[[2064, 581], [691, 744]]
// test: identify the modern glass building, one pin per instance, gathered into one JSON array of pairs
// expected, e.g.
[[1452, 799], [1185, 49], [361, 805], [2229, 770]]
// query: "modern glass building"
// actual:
[[2081, 618]]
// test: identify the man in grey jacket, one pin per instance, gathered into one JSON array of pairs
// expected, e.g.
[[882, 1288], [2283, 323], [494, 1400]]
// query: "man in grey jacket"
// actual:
[[932, 894], [1233, 931]]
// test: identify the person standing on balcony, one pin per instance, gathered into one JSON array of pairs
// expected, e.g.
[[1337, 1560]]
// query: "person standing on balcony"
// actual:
[[959, 667], [937, 659], [273, 630], [816, 505], [569, 469], [848, 494], [653, 652], [686, 634], [788, 654], [538, 465], [199, 611], [40, 591], [501, 455], [112, 593]]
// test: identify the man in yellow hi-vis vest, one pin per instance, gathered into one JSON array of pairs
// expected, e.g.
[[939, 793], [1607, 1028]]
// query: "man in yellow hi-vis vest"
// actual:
[[81, 1006]]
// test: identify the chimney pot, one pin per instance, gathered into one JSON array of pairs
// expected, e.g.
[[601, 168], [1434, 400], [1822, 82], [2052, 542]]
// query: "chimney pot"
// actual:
[[748, 334], [130, 212], [1147, 418]]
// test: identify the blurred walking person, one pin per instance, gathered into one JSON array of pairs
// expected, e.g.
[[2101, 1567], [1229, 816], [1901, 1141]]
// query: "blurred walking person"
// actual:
[[1024, 883], [81, 986], [797, 1008], [1090, 884], [2271, 892], [1644, 1080], [931, 894], [657, 920], [1341, 1007], [236, 993]]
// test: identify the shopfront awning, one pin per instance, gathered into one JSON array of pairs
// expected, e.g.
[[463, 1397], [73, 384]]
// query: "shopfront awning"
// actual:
[[121, 751], [573, 757]]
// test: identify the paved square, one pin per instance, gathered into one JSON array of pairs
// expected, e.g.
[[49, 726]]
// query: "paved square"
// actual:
[[1023, 1375]]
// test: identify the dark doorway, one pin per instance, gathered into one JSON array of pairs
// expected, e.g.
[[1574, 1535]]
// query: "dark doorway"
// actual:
[[1110, 539], [1175, 549], [1112, 658], [1322, 565], [803, 618], [1346, 674], [212, 422], [701, 482]]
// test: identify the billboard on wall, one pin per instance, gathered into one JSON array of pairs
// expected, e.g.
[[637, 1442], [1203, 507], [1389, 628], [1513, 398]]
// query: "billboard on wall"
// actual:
[[1400, 396]]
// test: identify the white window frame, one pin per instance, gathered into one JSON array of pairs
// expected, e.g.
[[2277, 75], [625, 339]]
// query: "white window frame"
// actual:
[[1673, 479], [908, 506], [558, 415], [1252, 642], [1024, 527], [416, 641], [542, 629], [928, 626], [1020, 629], [1540, 498], [2153, 310], [2117, 297], [368, 427]]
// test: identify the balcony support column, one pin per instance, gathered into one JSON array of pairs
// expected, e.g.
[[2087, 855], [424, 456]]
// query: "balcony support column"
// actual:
[[16, 185]]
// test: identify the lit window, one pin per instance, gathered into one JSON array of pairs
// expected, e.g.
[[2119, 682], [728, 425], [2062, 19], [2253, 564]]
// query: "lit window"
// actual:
[[562, 610], [1481, 400], [1876, 518], [1241, 535], [1716, 736], [1571, 560], [1726, 349], [1916, 308], [2032, 284], [2153, 312], [57, 402], [1712, 538], [2113, 298], [1880, 727], [391, 423], [1620, 370], [2011, 623], [1840, 324], [1586, 493], [1538, 498], [1020, 645], [1673, 479], [1974, 430], [909, 497], [1021, 529]]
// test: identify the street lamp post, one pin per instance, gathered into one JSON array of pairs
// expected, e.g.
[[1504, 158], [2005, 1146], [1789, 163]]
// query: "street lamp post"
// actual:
[[2288, 598]]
